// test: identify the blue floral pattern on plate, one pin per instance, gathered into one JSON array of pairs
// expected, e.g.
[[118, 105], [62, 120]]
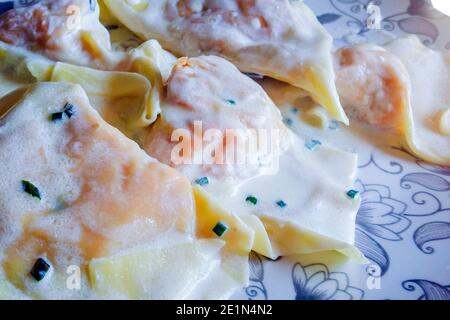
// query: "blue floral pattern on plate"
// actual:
[[403, 224], [431, 290], [316, 282], [379, 216]]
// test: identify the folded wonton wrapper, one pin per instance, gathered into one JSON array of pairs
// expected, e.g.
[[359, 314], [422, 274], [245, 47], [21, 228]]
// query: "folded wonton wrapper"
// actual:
[[319, 215], [130, 224], [62, 30], [128, 100], [401, 90], [427, 118]]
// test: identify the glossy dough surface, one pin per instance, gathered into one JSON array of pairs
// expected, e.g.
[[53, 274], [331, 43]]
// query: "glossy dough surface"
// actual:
[[279, 39]]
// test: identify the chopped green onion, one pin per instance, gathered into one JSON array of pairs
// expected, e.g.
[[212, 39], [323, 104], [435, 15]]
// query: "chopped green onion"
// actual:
[[281, 204], [294, 110], [251, 199], [40, 269], [334, 125], [231, 101], [220, 229], [202, 181], [68, 110], [31, 189], [288, 121], [352, 194], [312, 144], [57, 116]]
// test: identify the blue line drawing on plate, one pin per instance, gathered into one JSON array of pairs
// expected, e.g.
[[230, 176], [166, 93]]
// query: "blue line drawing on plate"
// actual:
[[431, 231], [431, 290], [256, 289], [379, 216], [415, 19], [394, 166], [328, 18], [445, 171], [316, 282], [427, 180], [426, 199]]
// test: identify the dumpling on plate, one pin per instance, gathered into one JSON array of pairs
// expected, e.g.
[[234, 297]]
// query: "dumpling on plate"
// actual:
[[122, 39], [70, 31], [427, 130], [127, 100], [400, 89], [62, 30], [293, 193], [19, 67], [86, 213], [373, 85], [396, 95], [280, 39]]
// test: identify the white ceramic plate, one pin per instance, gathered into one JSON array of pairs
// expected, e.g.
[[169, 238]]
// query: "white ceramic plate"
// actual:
[[403, 225]]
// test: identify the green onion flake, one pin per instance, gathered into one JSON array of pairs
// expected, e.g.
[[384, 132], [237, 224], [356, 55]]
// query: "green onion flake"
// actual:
[[202, 181], [251, 199], [40, 269], [352, 194], [281, 204], [57, 116], [220, 229], [68, 110], [312, 144], [31, 189]]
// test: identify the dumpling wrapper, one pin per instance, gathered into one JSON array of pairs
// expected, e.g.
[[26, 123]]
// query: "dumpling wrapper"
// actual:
[[428, 119], [104, 205], [70, 31], [396, 95], [280, 39], [62, 30], [373, 85], [122, 39], [319, 215], [20, 67], [402, 91]]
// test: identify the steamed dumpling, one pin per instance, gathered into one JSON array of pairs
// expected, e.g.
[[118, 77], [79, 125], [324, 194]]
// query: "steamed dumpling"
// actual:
[[280, 39], [373, 85], [62, 30], [76, 192], [395, 95], [315, 215], [210, 93], [127, 100], [400, 89]]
